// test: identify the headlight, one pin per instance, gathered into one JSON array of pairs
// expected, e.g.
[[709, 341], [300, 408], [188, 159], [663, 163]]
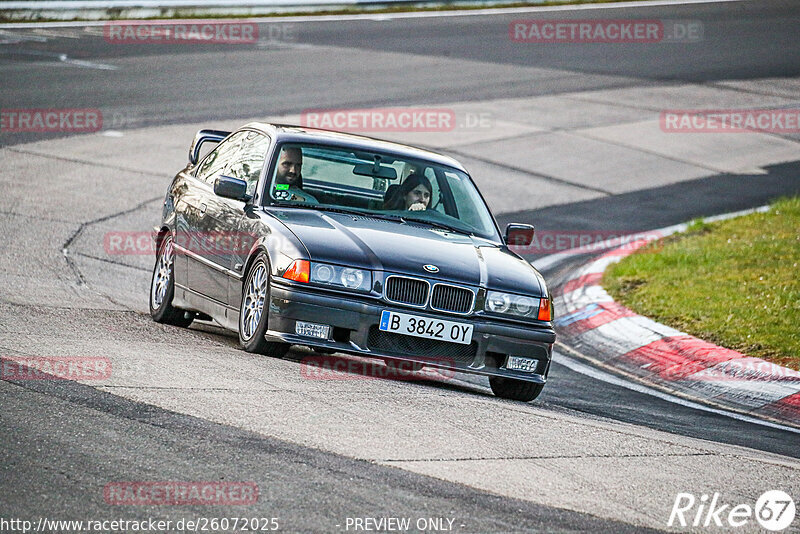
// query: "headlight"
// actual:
[[342, 277], [509, 304], [352, 278], [323, 273], [498, 302]]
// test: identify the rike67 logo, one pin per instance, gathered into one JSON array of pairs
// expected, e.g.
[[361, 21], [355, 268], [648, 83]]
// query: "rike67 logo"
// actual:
[[774, 511]]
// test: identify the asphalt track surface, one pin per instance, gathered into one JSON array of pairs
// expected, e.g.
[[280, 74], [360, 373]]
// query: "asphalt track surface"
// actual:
[[181, 84], [110, 437]]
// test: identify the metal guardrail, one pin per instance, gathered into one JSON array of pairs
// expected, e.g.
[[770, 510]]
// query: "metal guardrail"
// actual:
[[159, 4], [33, 10]]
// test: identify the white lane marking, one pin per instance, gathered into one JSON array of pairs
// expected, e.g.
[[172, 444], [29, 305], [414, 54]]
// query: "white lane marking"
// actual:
[[14, 38], [281, 45], [62, 59], [85, 64], [380, 17], [603, 376], [56, 34]]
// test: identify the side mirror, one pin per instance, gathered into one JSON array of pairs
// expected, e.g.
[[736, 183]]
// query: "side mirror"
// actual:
[[519, 235], [228, 187], [214, 136]]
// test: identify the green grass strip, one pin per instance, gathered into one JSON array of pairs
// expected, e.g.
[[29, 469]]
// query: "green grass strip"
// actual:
[[735, 283]]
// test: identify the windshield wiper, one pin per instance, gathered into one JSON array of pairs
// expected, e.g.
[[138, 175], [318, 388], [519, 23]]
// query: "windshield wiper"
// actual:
[[443, 226], [346, 211]]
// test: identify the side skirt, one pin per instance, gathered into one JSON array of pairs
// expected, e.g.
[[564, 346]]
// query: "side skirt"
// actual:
[[190, 300]]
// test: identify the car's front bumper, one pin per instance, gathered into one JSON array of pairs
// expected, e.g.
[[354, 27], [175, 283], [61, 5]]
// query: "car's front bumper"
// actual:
[[354, 330]]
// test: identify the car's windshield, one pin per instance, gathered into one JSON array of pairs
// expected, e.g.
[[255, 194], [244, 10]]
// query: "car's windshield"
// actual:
[[327, 177]]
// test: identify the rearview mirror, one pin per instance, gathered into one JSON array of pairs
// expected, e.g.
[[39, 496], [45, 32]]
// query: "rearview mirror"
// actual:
[[519, 235], [228, 187], [376, 171]]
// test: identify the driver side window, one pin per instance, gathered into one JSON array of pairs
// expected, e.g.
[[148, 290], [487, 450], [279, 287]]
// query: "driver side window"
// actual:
[[249, 161], [215, 162]]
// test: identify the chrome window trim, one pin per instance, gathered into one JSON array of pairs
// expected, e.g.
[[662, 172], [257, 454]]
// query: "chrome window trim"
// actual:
[[471, 306]]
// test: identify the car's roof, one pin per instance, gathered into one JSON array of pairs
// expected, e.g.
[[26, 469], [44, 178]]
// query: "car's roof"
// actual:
[[302, 134]]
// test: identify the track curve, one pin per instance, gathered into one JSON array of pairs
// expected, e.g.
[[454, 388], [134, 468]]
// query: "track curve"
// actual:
[[189, 404]]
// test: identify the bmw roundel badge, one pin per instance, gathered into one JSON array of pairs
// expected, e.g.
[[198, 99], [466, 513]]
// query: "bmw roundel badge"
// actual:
[[431, 268]]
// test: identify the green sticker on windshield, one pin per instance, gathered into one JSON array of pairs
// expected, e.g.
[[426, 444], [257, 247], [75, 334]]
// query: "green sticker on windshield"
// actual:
[[281, 187]]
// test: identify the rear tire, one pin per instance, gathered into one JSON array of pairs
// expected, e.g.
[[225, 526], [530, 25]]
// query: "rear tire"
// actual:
[[254, 311], [162, 288], [518, 390]]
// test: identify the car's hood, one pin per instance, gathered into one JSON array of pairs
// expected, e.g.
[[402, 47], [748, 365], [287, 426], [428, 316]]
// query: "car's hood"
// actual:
[[405, 248]]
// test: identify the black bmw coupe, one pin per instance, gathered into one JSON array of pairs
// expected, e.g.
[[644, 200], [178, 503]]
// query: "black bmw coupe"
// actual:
[[348, 244]]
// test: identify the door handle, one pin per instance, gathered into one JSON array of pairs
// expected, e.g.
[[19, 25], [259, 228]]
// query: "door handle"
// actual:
[[203, 209]]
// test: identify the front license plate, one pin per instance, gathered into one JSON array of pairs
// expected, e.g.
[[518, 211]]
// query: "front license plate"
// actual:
[[319, 331], [515, 363], [414, 325]]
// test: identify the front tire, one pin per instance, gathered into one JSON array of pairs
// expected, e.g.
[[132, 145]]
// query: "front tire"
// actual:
[[518, 390], [254, 311], [162, 288]]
